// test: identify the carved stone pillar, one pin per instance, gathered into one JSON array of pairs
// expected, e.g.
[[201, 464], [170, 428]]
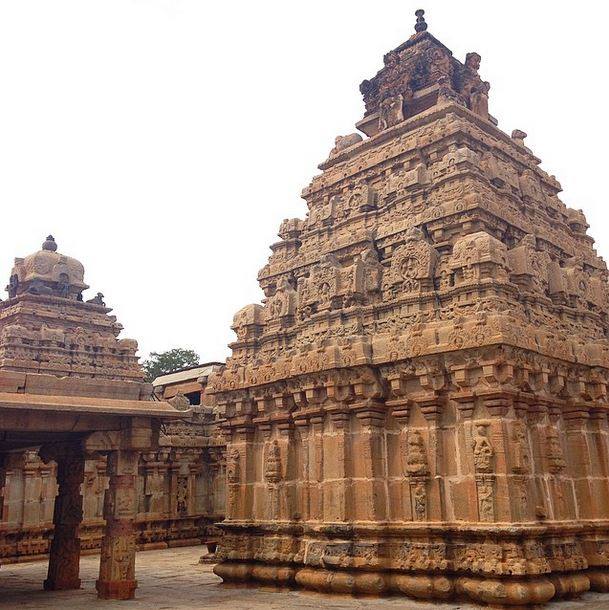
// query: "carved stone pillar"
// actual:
[[64, 556], [117, 565]]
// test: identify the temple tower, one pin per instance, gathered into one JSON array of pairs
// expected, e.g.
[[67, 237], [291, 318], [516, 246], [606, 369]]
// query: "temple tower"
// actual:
[[420, 404]]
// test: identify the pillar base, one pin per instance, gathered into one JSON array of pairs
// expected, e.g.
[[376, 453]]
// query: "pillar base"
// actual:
[[116, 589], [61, 585]]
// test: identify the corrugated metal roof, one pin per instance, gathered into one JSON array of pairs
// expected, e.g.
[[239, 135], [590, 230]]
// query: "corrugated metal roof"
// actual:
[[191, 373]]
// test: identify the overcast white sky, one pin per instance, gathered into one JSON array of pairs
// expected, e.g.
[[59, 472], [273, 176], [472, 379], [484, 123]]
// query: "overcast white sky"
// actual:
[[163, 141]]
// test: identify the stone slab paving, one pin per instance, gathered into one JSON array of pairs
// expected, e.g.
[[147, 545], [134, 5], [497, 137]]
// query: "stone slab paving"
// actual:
[[173, 578]]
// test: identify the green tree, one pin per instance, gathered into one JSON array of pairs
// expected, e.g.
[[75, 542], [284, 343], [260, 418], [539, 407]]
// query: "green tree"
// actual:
[[168, 362]]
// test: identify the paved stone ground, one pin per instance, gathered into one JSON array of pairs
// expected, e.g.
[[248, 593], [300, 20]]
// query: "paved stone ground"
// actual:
[[173, 578]]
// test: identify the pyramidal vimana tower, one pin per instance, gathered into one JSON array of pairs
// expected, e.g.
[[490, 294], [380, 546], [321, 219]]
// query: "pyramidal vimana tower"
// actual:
[[420, 404]]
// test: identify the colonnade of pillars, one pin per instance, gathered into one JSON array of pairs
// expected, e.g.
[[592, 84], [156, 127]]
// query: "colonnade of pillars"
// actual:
[[117, 563]]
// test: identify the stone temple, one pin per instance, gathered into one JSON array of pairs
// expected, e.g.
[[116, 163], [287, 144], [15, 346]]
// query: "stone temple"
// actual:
[[420, 405], [77, 419]]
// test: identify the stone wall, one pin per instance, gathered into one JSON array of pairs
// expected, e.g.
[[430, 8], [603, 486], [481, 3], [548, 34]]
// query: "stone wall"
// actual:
[[180, 494]]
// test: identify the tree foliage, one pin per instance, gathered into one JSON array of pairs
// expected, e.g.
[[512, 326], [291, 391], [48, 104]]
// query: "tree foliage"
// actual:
[[168, 362]]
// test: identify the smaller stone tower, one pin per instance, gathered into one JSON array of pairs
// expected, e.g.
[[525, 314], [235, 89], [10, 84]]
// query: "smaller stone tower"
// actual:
[[45, 327]]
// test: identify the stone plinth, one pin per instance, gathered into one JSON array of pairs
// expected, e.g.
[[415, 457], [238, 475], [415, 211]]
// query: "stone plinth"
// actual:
[[419, 406]]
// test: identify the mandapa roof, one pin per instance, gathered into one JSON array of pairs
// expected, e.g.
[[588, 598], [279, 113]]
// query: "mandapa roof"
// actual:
[[191, 372]]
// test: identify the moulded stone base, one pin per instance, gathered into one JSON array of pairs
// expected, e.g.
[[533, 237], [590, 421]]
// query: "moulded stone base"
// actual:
[[121, 589], [599, 580], [497, 592], [569, 585]]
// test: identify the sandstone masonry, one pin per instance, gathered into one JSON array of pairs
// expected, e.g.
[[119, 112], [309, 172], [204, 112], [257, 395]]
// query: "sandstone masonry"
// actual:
[[419, 405]]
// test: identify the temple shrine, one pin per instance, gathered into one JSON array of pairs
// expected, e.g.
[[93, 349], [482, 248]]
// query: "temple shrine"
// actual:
[[72, 401], [419, 405]]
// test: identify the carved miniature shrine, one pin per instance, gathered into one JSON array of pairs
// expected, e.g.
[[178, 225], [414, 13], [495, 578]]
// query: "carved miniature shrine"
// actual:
[[420, 404], [71, 395]]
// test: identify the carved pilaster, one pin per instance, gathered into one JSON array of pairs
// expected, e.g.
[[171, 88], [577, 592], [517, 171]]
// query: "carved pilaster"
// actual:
[[117, 565], [64, 556], [520, 467], [155, 467], [233, 481], [431, 408], [599, 458], [417, 469], [576, 418], [273, 475], [337, 466], [244, 442], [302, 425], [317, 468], [287, 451], [369, 486]]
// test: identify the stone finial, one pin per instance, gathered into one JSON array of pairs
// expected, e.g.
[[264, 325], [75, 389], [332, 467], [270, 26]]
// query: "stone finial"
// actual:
[[49, 244], [420, 25]]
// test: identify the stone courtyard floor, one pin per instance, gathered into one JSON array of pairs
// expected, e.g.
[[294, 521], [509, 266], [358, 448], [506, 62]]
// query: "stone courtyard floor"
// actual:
[[173, 578]]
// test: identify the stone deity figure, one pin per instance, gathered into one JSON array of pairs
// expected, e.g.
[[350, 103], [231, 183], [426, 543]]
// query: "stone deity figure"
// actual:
[[519, 450], [416, 460], [392, 111], [13, 284], [233, 468], [420, 500], [479, 99], [485, 501], [483, 450], [273, 463]]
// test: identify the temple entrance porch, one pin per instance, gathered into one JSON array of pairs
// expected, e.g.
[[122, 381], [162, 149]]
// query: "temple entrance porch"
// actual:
[[68, 430]]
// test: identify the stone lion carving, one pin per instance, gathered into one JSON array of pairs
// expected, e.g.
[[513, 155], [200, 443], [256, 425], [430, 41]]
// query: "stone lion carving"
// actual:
[[249, 316], [343, 142], [129, 345]]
